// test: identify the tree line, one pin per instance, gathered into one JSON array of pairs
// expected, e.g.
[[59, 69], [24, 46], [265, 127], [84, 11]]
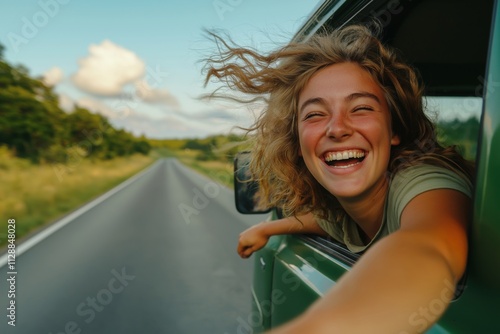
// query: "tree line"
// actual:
[[461, 133], [34, 126], [215, 147]]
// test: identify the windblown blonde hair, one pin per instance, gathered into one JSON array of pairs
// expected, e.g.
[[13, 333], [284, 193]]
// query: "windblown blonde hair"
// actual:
[[279, 78]]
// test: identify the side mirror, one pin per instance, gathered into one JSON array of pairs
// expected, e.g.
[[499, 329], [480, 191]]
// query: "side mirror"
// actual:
[[245, 190]]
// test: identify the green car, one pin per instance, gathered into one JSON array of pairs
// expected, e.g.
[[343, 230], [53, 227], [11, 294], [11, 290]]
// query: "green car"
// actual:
[[456, 47]]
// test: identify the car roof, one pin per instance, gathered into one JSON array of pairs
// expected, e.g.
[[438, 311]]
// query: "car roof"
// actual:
[[447, 41]]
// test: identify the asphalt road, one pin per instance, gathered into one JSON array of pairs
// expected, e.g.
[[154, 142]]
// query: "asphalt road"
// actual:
[[158, 256]]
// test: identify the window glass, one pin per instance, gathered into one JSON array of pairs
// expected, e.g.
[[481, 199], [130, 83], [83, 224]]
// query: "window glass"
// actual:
[[457, 120]]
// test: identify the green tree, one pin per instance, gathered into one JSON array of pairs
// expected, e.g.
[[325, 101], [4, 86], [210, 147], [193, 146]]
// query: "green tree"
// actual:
[[142, 145], [33, 125], [86, 131], [31, 122], [25, 125], [462, 133]]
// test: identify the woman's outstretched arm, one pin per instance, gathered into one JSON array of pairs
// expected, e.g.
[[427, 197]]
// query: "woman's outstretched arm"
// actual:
[[405, 281]]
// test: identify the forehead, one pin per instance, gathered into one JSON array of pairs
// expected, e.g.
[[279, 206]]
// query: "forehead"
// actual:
[[341, 80]]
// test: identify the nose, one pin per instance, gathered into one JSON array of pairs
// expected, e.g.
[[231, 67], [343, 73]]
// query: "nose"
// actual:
[[339, 126]]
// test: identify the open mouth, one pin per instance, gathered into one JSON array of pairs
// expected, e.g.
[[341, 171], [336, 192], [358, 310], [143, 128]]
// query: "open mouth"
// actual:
[[344, 159]]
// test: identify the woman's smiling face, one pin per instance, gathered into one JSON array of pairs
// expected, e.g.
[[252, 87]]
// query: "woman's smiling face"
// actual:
[[345, 131]]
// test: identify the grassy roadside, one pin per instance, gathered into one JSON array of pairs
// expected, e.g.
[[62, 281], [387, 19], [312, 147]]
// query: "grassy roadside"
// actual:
[[35, 195]]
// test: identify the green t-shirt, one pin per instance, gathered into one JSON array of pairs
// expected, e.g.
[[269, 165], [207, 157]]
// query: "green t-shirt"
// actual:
[[403, 187]]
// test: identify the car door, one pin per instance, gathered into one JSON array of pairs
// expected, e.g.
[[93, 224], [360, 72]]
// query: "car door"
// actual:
[[305, 268], [290, 272]]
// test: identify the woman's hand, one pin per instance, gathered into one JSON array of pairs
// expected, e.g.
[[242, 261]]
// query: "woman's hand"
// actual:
[[252, 239], [256, 237]]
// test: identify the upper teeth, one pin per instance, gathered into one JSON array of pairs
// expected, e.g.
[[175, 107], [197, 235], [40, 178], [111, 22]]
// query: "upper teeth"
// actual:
[[330, 156]]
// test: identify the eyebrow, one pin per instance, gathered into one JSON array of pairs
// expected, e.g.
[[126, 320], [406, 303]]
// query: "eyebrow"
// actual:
[[349, 98], [358, 95], [314, 100]]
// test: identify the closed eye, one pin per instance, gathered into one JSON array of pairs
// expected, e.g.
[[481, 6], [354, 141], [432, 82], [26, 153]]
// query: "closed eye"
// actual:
[[363, 107], [311, 115]]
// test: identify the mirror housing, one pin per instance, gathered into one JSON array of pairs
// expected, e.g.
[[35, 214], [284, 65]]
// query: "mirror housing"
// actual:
[[245, 190]]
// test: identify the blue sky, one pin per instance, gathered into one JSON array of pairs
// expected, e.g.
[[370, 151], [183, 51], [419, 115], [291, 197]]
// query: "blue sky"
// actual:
[[137, 62]]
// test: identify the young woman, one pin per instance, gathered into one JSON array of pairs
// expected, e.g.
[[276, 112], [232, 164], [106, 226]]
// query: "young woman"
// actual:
[[344, 148]]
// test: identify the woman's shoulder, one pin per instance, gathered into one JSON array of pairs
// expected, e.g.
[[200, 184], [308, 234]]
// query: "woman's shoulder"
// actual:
[[427, 176], [409, 182]]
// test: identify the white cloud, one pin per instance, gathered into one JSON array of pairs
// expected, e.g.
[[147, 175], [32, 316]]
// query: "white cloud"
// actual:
[[154, 96], [53, 76], [107, 69]]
